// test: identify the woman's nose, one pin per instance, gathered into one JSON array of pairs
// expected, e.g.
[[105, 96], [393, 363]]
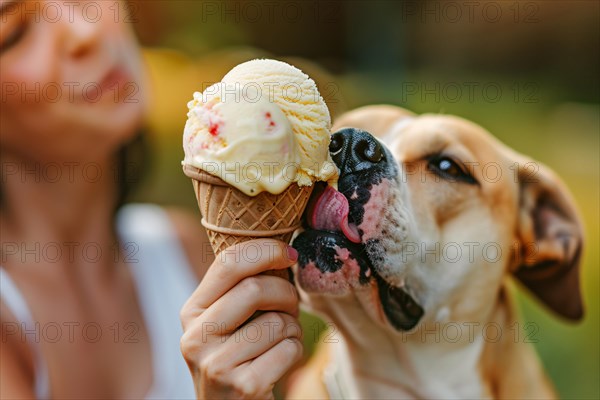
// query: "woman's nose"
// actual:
[[81, 33]]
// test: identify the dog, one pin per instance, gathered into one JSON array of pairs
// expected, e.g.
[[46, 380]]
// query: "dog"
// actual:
[[410, 261]]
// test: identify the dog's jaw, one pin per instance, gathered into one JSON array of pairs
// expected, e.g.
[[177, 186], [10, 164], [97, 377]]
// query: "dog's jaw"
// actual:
[[331, 263]]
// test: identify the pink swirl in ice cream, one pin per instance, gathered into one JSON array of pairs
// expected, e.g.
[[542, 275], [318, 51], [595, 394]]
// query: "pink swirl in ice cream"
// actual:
[[263, 127]]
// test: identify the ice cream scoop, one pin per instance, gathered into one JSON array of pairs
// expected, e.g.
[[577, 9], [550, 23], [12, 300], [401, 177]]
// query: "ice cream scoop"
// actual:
[[262, 128], [250, 145]]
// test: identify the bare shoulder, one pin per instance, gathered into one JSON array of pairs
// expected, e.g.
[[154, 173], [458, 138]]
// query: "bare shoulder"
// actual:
[[16, 363], [193, 239]]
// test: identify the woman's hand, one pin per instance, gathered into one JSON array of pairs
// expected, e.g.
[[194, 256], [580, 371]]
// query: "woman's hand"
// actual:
[[228, 355]]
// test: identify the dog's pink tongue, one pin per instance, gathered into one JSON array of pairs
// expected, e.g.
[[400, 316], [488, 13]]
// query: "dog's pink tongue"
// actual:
[[328, 210]]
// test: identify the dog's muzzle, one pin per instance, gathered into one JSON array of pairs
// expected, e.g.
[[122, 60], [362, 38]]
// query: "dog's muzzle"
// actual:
[[339, 246]]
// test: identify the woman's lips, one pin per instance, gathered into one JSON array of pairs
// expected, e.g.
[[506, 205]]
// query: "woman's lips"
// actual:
[[116, 85], [115, 77], [328, 210]]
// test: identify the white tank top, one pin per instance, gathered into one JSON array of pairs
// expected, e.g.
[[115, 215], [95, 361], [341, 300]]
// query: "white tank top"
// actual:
[[163, 280]]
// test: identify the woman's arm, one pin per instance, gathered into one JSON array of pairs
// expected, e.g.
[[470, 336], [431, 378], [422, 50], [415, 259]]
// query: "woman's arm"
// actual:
[[16, 365]]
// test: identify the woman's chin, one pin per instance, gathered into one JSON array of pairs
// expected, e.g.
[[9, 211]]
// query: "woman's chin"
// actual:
[[109, 126]]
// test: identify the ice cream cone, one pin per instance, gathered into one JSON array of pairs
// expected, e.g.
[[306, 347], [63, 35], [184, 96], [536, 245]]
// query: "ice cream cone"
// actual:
[[232, 217]]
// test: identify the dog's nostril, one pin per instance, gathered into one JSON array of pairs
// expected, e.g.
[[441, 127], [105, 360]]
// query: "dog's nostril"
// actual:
[[369, 150], [337, 142]]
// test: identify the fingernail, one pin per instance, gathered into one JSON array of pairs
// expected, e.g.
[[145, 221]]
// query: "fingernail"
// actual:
[[292, 253]]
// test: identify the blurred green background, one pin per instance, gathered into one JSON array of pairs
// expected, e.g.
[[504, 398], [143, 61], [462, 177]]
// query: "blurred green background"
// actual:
[[526, 71]]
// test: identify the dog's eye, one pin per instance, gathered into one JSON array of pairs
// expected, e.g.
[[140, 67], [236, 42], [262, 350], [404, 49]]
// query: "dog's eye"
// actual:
[[449, 169]]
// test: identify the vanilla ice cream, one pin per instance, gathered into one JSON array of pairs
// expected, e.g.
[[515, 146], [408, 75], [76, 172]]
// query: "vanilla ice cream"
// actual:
[[263, 127]]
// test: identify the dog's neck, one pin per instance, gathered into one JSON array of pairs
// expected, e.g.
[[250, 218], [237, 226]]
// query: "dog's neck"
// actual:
[[424, 364]]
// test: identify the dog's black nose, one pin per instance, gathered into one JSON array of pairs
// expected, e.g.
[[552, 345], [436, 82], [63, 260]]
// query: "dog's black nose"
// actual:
[[355, 150]]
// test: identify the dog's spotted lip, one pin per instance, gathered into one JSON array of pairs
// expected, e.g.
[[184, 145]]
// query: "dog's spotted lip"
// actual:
[[401, 310], [321, 249]]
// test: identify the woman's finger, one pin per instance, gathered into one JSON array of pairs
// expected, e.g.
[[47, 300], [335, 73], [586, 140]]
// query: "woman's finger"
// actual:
[[233, 265], [257, 336], [270, 367], [245, 259], [231, 310], [253, 379]]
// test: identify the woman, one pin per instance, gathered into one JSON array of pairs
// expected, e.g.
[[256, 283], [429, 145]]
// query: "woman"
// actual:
[[91, 291]]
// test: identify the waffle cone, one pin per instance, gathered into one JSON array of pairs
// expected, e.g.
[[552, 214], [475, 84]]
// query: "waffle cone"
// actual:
[[230, 216]]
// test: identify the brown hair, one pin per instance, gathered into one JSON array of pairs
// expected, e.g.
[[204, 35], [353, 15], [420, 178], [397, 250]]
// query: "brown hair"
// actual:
[[132, 162]]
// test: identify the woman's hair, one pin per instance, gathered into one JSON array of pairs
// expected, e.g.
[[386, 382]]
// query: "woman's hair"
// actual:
[[132, 163]]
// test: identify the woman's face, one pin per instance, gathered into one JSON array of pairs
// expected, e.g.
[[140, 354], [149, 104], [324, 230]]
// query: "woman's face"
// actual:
[[71, 78]]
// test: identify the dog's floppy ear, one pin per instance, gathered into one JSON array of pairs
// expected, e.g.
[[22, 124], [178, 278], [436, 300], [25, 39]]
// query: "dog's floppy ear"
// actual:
[[550, 232]]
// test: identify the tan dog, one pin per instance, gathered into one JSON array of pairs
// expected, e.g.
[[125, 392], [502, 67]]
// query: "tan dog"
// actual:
[[414, 281]]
